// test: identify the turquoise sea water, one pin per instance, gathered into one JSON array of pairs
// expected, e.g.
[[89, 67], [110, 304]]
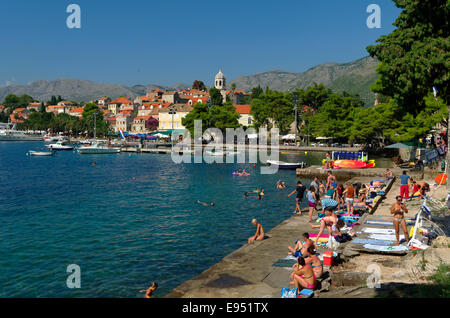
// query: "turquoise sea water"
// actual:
[[124, 233]]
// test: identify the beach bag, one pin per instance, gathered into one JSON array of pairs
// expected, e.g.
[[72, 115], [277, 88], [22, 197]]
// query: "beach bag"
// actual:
[[289, 293], [332, 243], [343, 238]]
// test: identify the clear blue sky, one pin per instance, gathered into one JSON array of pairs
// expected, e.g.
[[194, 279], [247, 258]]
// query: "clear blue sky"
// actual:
[[166, 42]]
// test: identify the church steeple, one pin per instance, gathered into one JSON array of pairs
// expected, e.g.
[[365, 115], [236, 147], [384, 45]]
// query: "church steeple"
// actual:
[[220, 84]]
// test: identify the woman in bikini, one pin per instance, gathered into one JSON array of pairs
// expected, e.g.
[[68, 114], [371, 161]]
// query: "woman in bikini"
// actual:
[[303, 275], [314, 261], [398, 209], [331, 222]]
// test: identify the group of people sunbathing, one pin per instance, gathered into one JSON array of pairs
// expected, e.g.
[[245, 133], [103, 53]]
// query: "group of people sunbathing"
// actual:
[[308, 267]]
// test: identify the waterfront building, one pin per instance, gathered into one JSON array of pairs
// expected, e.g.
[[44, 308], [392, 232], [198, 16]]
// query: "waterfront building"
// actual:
[[56, 109], [150, 108], [115, 105], [165, 119], [35, 106], [124, 120], [170, 97], [65, 103], [78, 112], [143, 99], [104, 101], [236, 96], [155, 93], [142, 124], [194, 100], [245, 119]]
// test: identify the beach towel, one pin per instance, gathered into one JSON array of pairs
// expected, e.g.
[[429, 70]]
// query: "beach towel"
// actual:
[[372, 241], [385, 223], [305, 293], [386, 248], [386, 237], [289, 293], [377, 230], [285, 263]]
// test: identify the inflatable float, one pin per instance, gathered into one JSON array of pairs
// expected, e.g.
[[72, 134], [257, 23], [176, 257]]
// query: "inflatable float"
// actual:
[[353, 164]]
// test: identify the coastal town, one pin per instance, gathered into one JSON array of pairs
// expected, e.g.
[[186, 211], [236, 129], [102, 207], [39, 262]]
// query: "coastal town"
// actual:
[[116, 191], [158, 110]]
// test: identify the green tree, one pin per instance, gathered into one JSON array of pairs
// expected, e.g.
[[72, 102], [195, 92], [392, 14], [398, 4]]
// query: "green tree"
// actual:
[[224, 116], [336, 116], [200, 111], [271, 109], [88, 120], [416, 55], [11, 101], [256, 92], [216, 96], [199, 85]]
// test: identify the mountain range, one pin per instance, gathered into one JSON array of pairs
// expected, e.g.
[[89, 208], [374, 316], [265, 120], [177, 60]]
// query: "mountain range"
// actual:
[[354, 77]]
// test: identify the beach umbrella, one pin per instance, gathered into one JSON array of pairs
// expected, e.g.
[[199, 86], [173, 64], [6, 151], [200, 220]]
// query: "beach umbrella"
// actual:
[[288, 137], [398, 145]]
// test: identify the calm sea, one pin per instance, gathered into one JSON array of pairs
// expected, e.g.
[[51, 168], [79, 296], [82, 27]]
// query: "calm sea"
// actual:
[[129, 220]]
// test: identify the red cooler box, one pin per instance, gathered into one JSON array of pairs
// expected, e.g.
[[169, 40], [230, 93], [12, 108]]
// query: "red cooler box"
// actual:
[[328, 258]]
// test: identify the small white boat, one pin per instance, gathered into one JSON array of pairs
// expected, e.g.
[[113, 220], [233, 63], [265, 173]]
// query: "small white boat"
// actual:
[[40, 153], [97, 148], [221, 153], [60, 145], [286, 165]]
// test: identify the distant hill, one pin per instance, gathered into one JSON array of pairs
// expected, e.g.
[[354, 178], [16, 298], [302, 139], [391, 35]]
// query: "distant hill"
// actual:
[[79, 90], [354, 77]]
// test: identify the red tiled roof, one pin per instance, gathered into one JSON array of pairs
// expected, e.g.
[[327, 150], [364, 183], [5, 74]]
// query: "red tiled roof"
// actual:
[[242, 109], [143, 117], [122, 100], [77, 110]]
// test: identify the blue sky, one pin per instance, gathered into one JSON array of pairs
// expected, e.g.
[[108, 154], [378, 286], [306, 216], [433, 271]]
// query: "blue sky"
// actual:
[[166, 42]]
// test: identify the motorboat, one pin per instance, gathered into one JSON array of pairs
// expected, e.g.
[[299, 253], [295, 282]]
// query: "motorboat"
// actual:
[[97, 148], [8, 132], [40, 153], [60, 145], [286, 165]]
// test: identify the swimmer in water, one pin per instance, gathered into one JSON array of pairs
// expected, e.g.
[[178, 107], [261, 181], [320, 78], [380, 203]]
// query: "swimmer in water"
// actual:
[[148, 292], [205, 204], [94, 163], [246, 194]]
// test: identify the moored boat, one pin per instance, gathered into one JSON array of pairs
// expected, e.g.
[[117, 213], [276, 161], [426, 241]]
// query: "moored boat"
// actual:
[[40, 153], [97, 148], [60, 145], [286, 165]]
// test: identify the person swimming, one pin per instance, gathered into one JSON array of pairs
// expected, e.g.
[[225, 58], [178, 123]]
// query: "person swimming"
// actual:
[[148, 292], [205, 204]]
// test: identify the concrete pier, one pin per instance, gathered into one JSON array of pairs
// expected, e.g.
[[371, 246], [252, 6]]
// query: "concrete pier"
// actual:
[[347, 174]]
